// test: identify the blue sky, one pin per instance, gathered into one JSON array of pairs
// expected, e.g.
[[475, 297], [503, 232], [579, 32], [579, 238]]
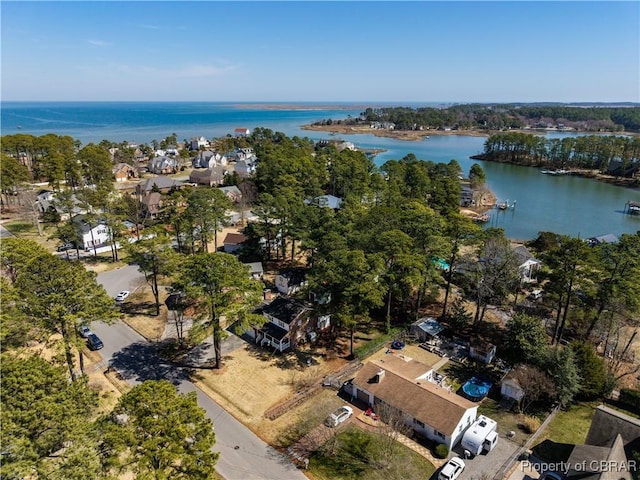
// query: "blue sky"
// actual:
[[416, 51]]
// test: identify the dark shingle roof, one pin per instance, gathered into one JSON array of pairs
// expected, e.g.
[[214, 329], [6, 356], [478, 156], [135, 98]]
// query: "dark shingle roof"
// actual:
[[285, 309]]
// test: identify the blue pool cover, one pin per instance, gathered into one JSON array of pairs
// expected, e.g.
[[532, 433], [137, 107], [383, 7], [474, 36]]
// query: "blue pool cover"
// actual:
[[476, 388]]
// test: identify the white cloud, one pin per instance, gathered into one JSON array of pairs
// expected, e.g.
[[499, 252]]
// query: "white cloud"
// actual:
[[99, 43]]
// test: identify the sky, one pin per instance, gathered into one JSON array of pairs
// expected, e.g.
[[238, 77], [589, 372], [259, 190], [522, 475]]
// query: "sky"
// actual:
[[330, 51]]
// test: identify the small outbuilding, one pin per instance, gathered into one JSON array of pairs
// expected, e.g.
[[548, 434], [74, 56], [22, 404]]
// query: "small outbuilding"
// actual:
[[482, 351], [426, 328]]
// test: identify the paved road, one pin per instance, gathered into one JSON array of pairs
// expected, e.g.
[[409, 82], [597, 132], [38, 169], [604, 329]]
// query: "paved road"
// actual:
[[243, 456]]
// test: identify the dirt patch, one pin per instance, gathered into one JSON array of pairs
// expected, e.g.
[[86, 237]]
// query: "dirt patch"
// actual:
[[139, 312]]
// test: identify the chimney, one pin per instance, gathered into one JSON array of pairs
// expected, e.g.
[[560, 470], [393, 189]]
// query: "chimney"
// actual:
[[379, 375]]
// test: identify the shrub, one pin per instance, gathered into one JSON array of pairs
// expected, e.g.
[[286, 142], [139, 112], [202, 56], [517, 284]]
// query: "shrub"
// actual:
[[442, 451], [529, 424], [630, 398]]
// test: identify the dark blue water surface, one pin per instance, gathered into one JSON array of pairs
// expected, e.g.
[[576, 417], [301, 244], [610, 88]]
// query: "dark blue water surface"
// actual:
[[561, 204]]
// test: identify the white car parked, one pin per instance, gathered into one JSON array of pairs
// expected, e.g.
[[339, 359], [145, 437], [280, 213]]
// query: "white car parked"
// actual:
[[339, 416], [121, 297], [452, 469]]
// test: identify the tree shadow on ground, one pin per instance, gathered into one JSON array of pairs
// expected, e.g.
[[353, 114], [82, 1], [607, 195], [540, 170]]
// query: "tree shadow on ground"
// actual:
[[141, 361]]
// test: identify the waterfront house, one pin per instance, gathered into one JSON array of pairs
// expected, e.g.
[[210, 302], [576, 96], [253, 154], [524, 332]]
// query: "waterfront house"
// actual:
[[399, 385], [528, 266], [199, 142], [602, 239], [241, 132]]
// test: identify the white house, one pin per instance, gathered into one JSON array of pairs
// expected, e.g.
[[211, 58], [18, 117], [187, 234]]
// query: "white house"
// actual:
[[482, 351], [209, 159], [198, 142], [256, 270], [511, 389], [528, 266], [92, 234], [328, 201], [291, 281], [398, 384], [242, 132]]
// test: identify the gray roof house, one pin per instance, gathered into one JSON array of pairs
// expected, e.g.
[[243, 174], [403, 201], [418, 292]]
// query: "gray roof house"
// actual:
[[528, 266], [287, 322], [210, 176], [162, 165], [162, 183], [291, 281]]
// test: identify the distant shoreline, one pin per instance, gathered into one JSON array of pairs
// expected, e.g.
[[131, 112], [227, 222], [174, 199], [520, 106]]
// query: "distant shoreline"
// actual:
[[417, 135]]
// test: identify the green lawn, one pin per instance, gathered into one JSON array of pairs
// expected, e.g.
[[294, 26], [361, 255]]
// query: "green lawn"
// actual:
[[355, 454], [568, 428]]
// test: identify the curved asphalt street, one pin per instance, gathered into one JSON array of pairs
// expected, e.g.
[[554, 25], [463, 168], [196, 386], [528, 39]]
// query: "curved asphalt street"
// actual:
[[243, 456]]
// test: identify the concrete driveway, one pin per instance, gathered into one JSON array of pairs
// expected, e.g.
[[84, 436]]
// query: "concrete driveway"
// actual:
[[486, 465]]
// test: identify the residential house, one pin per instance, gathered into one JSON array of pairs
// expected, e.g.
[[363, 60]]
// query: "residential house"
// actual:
[[602, 239], [232, 192], [484, 352], [151, 204], [159, 183], [287, 323], [528, 266], [210, 176], [162, 165], [198, 142], [256, 271], [244, 168], [291, 281], [609, 450], [209, 159], [91, 233], [124, 172], [245, 153], [242, 132], [233, 242], [46, 202], [328, 201], [397, 384]]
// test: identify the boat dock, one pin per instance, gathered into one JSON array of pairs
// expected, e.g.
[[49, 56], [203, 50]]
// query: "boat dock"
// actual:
[[632, 208]]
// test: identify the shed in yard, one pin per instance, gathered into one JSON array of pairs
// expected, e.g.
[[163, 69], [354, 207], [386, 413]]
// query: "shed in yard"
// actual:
[[426, 328]]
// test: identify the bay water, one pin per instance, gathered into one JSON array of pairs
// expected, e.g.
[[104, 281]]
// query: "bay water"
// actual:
[[562, 204]]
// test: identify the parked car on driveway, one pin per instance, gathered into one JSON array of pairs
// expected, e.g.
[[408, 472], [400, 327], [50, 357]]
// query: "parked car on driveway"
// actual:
[[93, 342], [66, 246], [339, 416], [122, 296], [84, 331], [452, 469]]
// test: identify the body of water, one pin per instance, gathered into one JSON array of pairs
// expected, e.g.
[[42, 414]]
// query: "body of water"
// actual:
[[562, 204]]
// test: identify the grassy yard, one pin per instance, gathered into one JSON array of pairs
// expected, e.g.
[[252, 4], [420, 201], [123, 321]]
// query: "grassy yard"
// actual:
[[355, 454], [568, 428]]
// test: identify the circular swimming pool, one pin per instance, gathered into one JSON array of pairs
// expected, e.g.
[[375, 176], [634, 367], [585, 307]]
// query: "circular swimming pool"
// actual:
[[476, 388]]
